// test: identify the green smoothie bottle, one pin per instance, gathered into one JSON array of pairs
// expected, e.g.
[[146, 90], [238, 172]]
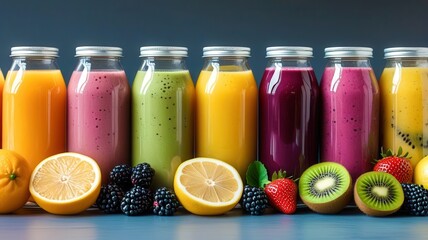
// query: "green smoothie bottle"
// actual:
[[163, 98]]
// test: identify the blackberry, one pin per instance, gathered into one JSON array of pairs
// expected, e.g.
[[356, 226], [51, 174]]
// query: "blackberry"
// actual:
[[142, 175], [415, 199], [165, 203], [110, 198], [137, 201], [254, 200], [121, 175]]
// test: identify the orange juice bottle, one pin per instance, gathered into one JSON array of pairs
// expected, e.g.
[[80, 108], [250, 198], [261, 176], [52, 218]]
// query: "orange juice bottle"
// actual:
[[226, 108], [34, 105], [1, 99]]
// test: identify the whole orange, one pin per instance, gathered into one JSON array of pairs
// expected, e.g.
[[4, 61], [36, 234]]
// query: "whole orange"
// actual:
[[15, 176]]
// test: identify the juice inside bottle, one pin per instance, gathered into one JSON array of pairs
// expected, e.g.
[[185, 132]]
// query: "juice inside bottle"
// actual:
[[163, 97], [288, 120], [34, 105], [226, 115], [34, 110], [1, 102], [350, 110], [99, 108], [404, 99]]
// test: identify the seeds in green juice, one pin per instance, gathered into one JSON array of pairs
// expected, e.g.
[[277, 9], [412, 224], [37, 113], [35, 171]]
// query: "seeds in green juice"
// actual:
[[162, 122]]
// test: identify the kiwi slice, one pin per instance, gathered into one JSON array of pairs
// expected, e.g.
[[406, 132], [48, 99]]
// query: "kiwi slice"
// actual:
[[326, 187], [378, 194]]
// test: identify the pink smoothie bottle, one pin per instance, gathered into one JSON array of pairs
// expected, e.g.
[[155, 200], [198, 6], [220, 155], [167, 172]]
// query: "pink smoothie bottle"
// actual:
[[99, 108], [350, 109], [288, 111]]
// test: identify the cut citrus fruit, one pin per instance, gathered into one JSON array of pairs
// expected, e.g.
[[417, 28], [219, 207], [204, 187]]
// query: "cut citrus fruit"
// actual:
[[14, 180], [207, 186], [66, 183]]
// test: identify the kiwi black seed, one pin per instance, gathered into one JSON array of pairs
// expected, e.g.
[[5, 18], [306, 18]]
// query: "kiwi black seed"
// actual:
[[378, 194], [326, 187]]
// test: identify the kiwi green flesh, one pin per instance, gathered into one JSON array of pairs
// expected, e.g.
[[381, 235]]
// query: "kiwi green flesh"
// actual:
[[324, 182], [378, 194], [333, 206]]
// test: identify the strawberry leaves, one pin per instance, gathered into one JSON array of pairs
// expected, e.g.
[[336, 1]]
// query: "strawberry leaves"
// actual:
[[390, 153], [278, 175]]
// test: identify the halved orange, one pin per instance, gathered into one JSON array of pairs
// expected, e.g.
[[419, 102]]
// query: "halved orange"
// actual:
[[207, 186], [66, 183]]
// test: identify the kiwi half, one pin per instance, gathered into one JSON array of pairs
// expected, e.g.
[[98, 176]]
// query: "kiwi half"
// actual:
[[326, 187], [378, 194]]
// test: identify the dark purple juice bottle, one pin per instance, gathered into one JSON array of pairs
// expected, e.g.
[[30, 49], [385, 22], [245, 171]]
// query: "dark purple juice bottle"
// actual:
[[288, 111]]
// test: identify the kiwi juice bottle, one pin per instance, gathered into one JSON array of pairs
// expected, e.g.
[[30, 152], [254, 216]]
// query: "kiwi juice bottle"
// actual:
[[163, 97]]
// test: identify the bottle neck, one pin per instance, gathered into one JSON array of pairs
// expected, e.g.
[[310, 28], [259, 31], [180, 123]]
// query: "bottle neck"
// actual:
[[226, 64], [99, 63], [163, 64], [407, 62], [34, 63], [349, 62], [289, 62]]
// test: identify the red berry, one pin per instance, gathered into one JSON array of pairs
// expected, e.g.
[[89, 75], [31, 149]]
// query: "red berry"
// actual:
[[282, 194], [396, 165]]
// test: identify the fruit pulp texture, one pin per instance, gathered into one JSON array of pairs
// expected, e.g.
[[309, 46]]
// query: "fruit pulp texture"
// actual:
[[162, 122], [288, 118], [99, 112], [226, 117], [1, 101], [404, 110], [350, 118], [34, 114]]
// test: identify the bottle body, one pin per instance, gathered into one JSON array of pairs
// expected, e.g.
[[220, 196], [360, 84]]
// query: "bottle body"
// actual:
[[1, 102], [288, 117], [350, 115], [404, 115], [34, 109], [99, 104], [226, 112], [163, 116]]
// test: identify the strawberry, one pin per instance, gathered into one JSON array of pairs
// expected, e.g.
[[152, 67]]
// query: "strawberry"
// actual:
[[395, 164], [282, 194]]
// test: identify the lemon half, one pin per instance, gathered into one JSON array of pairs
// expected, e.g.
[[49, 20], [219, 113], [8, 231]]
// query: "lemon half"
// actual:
[[207, 186], [66, 183]]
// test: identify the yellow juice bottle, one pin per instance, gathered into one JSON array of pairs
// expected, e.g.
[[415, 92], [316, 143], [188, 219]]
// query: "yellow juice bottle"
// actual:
[[226, 108], [404, 101], [1, 100], [34, 105]]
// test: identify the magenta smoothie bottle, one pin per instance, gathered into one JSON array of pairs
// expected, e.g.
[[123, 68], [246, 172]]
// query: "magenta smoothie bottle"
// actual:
[[350, 110], [288, 111], [99, 108]]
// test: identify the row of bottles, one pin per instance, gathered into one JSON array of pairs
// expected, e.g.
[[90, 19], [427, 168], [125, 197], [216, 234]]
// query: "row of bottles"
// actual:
[[172, 120]]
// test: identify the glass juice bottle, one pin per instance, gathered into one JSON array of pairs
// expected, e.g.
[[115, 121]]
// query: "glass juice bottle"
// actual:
[[288, 111], [163, 98], [226, 107], [34, 105], [1, 101], [99, 108], [350, 109], [404, 101]]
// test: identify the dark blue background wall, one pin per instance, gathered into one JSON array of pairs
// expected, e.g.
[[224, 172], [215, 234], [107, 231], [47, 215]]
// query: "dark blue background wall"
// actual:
[[198, 23]]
